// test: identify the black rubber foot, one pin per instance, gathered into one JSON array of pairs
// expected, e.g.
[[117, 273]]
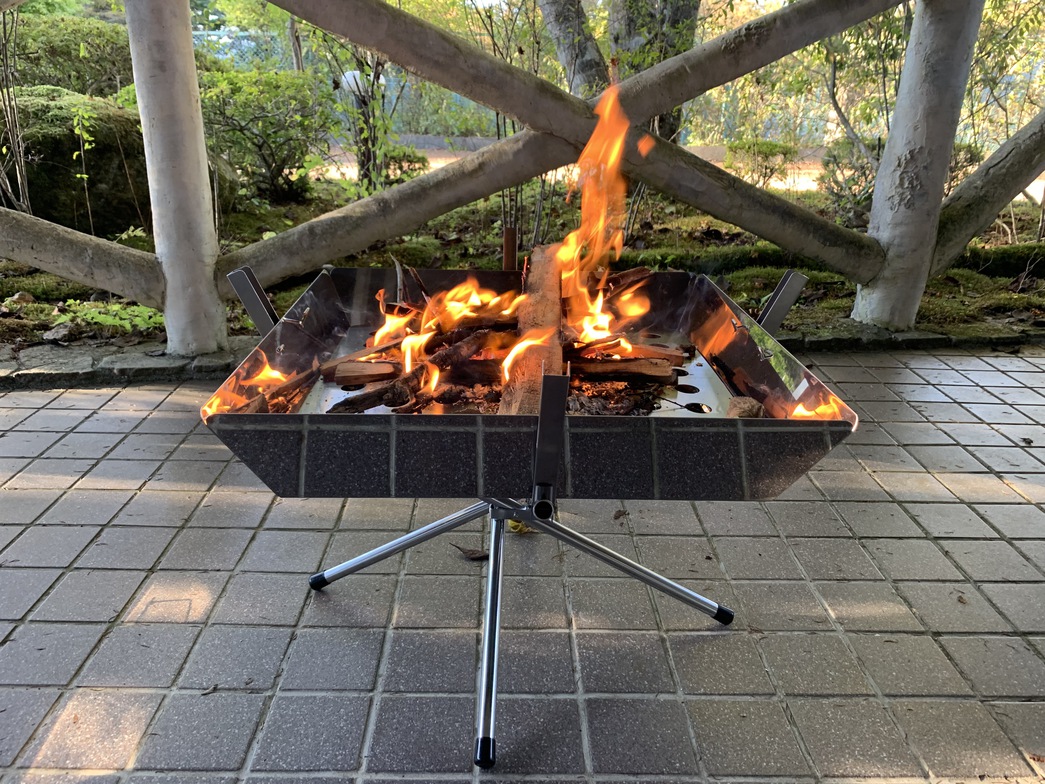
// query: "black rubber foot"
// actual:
[[485, 752], [723, 615], [318, 582]]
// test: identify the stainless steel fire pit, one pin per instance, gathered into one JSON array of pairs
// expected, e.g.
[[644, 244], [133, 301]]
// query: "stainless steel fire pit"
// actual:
[[672, 454], [687, 449]]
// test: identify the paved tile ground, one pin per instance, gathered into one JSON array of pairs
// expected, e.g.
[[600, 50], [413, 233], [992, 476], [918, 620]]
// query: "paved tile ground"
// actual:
[[156, 625]]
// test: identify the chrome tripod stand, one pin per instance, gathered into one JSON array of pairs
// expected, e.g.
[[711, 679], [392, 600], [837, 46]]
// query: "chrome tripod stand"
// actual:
[[538, 512]]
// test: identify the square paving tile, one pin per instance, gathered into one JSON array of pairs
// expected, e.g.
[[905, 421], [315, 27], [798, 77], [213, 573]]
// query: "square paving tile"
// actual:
[[729, 518], [230, 509], [678, 557], [539, 736], [126, 547], [848, 486], [946, 458], [806, 518], [176, 597], [913, 486], [979, 488], [756, 558], [188, 475], [1007, 459], [789, 606], [89, 595], [952, 607], [623, 662], [206, 548], [725, 663], [1021, 604], [322, 732], [168, 508], [20, 711], [430, 734], [431, 661], [904, 559], [201, 732], [16, 444], [877, 519], [834, 559], [885, 458], [910, 665], [611, 604], [48, 545], [813, 664], [1025, 724], [147, 446], [1017, 521], [20, 589], [852, 738], [285, 551], [991, 561], [333, 660], [998, 666], [868, 607], [385, 514], [309, 513], [85, 507], [951, 520], [119, 475], [46, 654], [93, 729], [662, 518], [959, 739], [533, 603], [358, 600], [535, 663], [45, 472], [578, 564], [345, 545], [143, 655], [263, 598], [433, 602], [657, 732], [235, 657], [748, 738]]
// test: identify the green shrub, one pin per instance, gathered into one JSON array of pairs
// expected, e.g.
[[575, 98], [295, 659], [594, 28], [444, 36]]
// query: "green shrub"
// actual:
[[87, 56], [758, 161], [847, 180], [85, 161], [271, 125], [111, 318]]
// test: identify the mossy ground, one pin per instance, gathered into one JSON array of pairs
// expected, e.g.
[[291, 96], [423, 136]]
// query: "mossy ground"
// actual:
[[978, 298]]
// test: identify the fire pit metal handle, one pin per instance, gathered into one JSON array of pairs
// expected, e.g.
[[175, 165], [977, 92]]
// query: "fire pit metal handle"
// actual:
[[245, 283]]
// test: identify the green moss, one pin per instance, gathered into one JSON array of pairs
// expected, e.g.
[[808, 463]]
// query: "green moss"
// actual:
[[44, 286]]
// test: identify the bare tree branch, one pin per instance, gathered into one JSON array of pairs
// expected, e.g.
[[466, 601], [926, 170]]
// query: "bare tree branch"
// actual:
[[80, 257], [7, 5], [976, 202]]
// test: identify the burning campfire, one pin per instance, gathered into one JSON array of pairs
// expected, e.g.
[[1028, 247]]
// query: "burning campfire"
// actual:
[[467, 347]]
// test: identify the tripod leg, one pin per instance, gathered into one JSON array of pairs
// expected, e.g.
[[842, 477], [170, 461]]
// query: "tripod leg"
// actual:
[[485, 746], [721, 614], [324, 578]]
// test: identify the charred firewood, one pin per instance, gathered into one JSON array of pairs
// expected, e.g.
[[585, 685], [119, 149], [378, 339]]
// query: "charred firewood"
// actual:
[[402, 390], [620, 281], [282, 397], [540, 311]]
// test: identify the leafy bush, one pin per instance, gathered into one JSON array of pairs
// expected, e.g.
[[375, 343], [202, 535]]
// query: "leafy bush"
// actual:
[[111, 318], [271, 125], [848, 181], [85, 161], [758, 161], [87, 56]]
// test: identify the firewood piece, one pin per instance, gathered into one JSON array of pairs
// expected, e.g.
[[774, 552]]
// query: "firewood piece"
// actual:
[[328, 368], [399, 392], [656, 370], [541, 310], [619, 281], [259, 404], [646, 351], [745, 408], [351, 373], [474, 371]]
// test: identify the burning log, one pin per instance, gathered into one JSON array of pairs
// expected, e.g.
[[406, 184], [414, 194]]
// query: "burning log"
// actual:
[[542, 311], [329, 368], [656, 370], [402, 390], [282, 397], [352, 373]]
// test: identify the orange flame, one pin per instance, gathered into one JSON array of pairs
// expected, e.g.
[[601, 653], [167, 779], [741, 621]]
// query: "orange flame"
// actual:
[[227, 399], [413, 345], [601, 232], [832, 409], [534, 337], [448, 309], [433, 378], [394, 326]]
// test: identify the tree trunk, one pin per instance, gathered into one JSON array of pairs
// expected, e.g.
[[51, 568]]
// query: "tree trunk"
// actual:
[[75, 256], [976, 202], [579, 54], [912, 174], [179, 184]]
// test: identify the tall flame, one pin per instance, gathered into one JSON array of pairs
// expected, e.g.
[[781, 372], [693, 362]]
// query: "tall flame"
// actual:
[[531, 338], [601, 232]]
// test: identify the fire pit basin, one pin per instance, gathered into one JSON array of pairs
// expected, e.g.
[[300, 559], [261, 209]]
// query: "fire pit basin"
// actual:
[[674, 453]]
